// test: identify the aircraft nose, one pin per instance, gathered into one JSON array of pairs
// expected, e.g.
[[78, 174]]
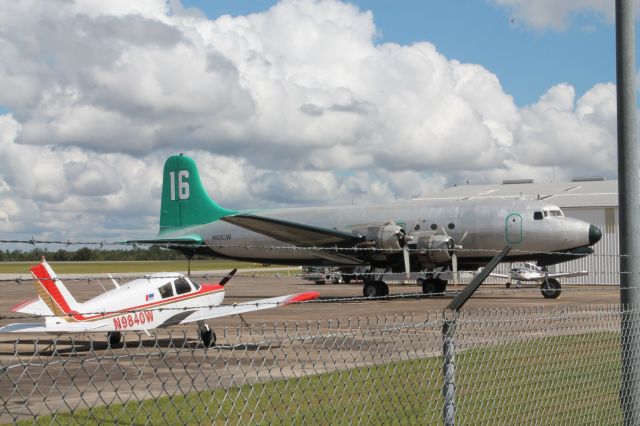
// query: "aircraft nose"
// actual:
[[594, 234]]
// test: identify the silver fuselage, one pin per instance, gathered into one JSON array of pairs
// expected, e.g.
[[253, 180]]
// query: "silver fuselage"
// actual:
[[483, 226]]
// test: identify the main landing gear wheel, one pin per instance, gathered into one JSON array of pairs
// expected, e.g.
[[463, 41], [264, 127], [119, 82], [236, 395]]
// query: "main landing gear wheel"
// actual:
[[114, 338], [207, 336], [550, 288], [375, 289], [432, 286]]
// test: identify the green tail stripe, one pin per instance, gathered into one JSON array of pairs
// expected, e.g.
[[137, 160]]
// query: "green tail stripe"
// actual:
[[185, 202]]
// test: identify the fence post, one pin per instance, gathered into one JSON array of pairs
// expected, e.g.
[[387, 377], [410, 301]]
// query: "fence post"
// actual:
[[629, 202], [449, 370]]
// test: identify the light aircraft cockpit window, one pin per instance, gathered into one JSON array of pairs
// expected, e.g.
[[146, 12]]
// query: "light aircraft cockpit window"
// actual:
[[195, 285], [182, 286], [166, 290], [537, 216]]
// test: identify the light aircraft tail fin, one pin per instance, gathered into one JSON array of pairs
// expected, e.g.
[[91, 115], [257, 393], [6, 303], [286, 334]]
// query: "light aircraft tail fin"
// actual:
[[185, 202], [52, 291]]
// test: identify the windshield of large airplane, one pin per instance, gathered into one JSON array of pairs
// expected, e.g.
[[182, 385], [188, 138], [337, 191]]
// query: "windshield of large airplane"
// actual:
[[553, 212]]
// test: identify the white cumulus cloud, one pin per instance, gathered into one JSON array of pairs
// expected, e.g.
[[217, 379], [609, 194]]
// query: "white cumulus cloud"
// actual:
[[294, 105]]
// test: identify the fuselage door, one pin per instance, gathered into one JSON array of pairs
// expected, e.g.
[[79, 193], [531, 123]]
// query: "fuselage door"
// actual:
[[513, 228]]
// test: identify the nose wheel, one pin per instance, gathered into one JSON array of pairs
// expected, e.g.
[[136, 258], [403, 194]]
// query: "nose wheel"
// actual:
[[207, 336]]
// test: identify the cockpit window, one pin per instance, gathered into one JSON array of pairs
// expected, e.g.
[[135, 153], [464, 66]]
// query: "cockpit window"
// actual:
[[182, 286], [553, 213], [537, 216], [166, 290]]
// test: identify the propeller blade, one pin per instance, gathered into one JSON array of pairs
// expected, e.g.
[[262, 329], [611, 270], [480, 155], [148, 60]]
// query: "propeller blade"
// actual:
[[407, 262], [454, 265], [463, 237]]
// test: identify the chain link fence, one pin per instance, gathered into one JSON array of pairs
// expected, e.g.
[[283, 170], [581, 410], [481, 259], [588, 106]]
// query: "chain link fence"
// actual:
[[529, 365]]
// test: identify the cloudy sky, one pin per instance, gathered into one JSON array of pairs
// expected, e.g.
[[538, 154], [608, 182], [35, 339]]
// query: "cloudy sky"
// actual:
[[296, 102]]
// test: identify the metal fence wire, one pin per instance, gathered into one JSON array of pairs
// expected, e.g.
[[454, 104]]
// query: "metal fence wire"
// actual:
[[529, 366]]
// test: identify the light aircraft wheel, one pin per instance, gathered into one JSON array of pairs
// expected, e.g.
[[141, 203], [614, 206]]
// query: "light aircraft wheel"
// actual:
[[550, 288], [441, 287], [115, 338], [207, 336], [508, 284], [346, 279]]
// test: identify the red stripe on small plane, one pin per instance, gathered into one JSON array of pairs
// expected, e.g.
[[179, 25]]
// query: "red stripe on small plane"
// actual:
[[42, 274], [303, 297], [204, 289]]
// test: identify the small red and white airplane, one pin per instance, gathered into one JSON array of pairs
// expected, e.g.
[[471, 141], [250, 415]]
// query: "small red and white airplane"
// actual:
[[156, 301]]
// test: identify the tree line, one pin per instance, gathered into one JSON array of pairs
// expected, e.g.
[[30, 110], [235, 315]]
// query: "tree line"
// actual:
[[86, 254]]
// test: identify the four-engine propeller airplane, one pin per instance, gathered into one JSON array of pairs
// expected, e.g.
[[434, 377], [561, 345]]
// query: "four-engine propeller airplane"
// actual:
[[430, 236], [155, 301]]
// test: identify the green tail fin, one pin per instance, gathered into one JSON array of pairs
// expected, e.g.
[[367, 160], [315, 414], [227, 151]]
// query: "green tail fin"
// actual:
[[185, 202]]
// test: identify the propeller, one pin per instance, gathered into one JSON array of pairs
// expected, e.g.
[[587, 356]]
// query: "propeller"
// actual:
[[454, 255], [403, 240]]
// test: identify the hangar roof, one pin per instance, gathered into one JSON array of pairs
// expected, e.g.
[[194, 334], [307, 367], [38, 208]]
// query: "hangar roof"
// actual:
[[562, 194]]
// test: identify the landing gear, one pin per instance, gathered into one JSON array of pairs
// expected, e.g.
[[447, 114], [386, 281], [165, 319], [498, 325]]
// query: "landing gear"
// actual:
[[114, 338], [375, 289], [207, 336], [550, 288], [432, 286]]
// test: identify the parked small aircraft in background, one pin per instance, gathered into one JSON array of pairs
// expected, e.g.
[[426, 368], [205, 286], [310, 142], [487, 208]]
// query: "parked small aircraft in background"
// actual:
[[530, 272], [432, 237], [156, 301]]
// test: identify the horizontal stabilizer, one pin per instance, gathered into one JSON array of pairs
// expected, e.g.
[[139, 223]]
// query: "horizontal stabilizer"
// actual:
[[255, 305], [192, 239], [33, 306]]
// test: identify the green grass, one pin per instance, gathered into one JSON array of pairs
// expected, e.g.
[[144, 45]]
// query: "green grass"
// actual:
[[119, 266], [550, 380]]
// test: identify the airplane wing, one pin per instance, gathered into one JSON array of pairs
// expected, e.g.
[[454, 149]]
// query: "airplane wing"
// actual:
[[26, 327], [293, 232], [254, 305], [493, 274], [569, 274]]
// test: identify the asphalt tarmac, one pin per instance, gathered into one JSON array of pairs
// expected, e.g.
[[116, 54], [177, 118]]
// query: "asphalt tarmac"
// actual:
[[69, 384]]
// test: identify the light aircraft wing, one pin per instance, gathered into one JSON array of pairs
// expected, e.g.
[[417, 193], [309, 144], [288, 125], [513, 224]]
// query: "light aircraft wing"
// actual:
[[51, 328], [493, 274], [292, 232], [569, 274], [254, 305]]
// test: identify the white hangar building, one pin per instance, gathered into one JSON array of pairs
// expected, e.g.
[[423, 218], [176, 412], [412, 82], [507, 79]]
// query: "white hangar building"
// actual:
[[593, 200]]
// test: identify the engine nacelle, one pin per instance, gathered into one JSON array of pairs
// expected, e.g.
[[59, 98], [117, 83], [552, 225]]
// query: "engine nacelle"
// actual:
[[434, 249], [386, 237]]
